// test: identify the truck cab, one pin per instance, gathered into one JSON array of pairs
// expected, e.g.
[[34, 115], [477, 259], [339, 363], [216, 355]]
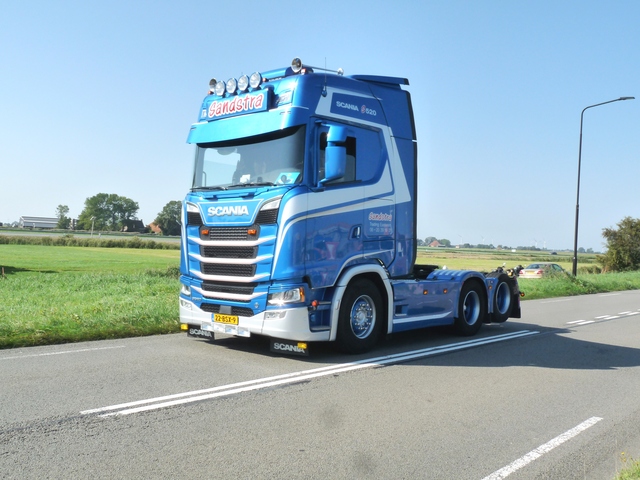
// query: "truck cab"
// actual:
[[300, 224]]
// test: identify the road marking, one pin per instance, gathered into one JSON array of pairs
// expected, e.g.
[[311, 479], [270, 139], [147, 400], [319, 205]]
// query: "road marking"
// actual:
[[542, 449], [579, 323], [250, 385], [20, 357]]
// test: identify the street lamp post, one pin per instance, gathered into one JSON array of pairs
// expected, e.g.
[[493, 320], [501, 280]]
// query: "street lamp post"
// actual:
[[575, 237]]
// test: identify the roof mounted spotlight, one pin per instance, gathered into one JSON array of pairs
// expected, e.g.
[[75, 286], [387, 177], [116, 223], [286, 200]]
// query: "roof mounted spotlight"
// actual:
[[232, 86], [220, 87], [296, 65], [212, 85], [255, 80], [243, 83]]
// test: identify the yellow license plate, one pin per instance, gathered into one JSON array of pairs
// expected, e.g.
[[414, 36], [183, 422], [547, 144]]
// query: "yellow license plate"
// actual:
[[228, 319]]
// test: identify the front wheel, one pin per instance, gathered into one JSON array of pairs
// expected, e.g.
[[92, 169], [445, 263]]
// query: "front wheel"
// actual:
[[471, 309], [360, 318]]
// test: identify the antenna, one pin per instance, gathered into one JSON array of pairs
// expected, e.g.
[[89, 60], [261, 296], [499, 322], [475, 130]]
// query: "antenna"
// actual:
[[324, 87]]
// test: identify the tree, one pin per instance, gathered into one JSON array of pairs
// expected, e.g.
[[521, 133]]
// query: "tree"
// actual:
[[63, 220], [106, 211], [623, 246], [169, 218]]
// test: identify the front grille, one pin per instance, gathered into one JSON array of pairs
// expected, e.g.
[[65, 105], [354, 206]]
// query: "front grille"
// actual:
[[233, 233], [194, 218], [236, 288], [229, 252], [228, 269], [267, 217], [239, 311]]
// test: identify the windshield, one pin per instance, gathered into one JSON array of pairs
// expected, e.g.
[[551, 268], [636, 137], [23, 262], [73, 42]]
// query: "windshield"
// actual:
[[271, 159]]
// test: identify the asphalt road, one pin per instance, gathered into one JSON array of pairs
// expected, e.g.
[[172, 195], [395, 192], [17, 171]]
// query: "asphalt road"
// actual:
[[555, 395]]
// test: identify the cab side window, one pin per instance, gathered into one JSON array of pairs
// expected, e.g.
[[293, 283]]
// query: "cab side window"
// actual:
[[366, 157]]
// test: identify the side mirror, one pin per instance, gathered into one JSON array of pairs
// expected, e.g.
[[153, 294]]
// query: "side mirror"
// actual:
[[335, 162], [335, 155]]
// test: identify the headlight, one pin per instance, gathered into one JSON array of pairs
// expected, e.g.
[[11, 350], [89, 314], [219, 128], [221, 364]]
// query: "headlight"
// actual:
[[295, 295], [271, 204]]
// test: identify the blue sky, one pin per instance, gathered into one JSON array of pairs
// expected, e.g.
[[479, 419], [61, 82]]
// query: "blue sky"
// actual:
[[98, 97]]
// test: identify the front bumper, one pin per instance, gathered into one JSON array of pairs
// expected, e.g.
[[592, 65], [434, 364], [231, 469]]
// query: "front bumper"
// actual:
[[288, 324]]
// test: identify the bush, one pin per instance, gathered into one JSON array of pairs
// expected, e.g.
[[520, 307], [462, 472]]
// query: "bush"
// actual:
[[69, 240]]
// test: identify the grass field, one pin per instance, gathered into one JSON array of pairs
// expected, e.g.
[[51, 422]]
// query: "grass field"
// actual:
[[65, 294]]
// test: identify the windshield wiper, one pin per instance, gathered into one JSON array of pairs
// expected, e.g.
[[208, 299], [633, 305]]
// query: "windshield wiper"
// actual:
[[204, 189], [252, 184]]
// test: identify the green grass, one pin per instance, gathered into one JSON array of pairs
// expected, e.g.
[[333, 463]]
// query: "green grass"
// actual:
[[68, 294], [631, 470]]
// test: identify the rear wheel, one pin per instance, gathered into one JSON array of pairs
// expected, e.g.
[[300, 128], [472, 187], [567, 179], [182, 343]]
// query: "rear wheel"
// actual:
[[502, 299], [471, 309], [361, 317]]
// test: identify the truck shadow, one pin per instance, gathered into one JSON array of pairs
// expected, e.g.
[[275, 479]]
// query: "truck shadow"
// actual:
[[547, 348]]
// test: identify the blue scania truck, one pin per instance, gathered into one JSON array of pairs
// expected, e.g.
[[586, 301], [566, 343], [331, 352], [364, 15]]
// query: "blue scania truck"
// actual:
[[300, 224]]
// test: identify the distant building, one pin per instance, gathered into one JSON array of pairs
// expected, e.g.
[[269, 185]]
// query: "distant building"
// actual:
[[435, 244], [133, 226], [38, 222]]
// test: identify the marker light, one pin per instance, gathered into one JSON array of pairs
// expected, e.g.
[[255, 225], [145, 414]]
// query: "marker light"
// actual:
[[212, 85], [232, 86], [255, 80], [220, 87], [296, 65], [243, 83]]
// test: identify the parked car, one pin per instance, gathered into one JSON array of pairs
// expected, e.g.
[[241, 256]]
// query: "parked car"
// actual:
[[541, 269]]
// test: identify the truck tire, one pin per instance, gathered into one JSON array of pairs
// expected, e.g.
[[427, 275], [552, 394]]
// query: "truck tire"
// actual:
[[471, 309], [502, 299], [360, 318]]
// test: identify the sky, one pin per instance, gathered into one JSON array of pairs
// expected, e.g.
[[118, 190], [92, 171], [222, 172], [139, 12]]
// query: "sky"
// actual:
[[98, 97]]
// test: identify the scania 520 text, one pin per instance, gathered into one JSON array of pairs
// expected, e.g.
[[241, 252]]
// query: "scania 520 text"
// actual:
[[300, 224]]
